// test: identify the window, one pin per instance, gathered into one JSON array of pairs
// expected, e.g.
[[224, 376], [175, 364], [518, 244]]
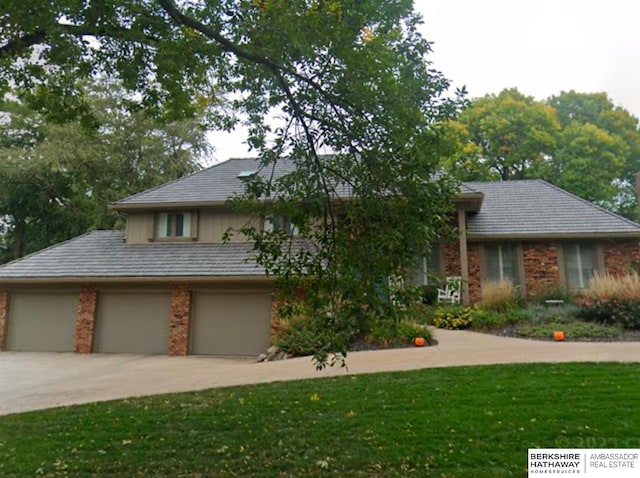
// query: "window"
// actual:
[[580, 264], [427, 267], [501, 263], [176, 224], [275, 224]]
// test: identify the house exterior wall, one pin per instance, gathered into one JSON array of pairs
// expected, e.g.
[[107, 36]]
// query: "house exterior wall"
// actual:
[[541, 267], [542, 263], [212, 223], [620, 256]]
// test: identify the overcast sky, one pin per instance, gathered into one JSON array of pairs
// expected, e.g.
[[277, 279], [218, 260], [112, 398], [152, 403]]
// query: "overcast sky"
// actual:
[[541, 47]]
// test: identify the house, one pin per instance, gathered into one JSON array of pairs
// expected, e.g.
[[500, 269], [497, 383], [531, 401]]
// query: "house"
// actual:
[[168, 284]]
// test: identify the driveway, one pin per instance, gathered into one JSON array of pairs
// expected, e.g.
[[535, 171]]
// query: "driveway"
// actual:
[[32, 381]]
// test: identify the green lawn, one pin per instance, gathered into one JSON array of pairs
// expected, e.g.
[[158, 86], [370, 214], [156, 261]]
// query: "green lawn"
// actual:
[[467, 421]]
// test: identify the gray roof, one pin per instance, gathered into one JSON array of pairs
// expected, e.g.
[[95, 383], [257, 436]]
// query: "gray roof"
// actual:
[[536, 208], [105, 254]]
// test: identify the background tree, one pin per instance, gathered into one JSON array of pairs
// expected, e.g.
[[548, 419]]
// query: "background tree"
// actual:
[[607, 137], [513, 135], [57, 180], [581, 142]]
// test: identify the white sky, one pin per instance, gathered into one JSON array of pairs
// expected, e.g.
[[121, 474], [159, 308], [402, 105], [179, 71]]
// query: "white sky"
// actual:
[[541, 47]]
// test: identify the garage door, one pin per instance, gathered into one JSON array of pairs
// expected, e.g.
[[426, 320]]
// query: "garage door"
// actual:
[[133, 322], [230, 323], [42, 322]]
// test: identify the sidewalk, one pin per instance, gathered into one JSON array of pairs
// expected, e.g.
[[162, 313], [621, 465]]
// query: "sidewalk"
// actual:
[[31, 381]]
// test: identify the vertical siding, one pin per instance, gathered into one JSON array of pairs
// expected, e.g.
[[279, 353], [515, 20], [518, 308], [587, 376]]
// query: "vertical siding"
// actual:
[[139, 228], [215, 222]]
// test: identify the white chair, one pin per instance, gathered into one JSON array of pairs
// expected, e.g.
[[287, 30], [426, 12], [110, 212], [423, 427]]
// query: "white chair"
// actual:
[[451, 291]]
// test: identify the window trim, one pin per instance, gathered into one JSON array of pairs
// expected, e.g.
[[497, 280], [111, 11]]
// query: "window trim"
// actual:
[[599, 265], [518, 251], [191, 236]]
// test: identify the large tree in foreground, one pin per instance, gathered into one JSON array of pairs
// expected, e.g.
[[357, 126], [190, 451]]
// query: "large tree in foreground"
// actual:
[[307, 77]]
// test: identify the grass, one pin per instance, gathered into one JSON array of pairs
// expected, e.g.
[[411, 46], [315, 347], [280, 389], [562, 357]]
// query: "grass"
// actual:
[[454, 422], [572, 330]]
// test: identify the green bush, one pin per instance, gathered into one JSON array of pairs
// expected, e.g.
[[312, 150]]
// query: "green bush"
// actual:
[[572, 330], [610, 311], [453, 317], [399, 334], [487, 319], [297, 336], [542, 314], [554, 293]]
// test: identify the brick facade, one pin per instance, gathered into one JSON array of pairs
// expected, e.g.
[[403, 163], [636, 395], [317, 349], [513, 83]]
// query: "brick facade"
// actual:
[[541, 271], [473, 254], [541, 263], [86, 320], [620, 256], [4, 318], [180, 320]]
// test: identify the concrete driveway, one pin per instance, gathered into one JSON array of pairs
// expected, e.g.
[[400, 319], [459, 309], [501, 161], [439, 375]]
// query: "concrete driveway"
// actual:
[[32, 381]]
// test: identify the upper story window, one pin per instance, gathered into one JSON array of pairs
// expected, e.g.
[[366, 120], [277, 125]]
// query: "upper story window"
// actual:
[[173, 225], [501, 262], [275, 224], [580, 264]]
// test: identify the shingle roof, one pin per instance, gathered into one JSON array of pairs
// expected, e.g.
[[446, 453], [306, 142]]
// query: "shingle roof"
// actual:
[[537, 208], [105, 254]]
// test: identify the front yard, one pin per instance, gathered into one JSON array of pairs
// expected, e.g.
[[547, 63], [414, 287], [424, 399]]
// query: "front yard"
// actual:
[[454, 422]]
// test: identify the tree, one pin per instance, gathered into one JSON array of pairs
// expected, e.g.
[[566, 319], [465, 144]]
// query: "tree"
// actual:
[[581, 142], [57, 180], [346, 77], [513, 135], [614, 150]]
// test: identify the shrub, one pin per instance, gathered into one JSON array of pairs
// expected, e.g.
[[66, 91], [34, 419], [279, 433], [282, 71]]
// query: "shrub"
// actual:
[[500, 295], [554, 293], [296, 335], [399, 334], [606, 311], [541, 314], [490, 319], [608, 286], [453, 317], [612, 300], [572, 330]]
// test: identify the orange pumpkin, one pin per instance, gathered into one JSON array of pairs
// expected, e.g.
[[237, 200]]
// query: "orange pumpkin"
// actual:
[[558, 335], [419, 342]]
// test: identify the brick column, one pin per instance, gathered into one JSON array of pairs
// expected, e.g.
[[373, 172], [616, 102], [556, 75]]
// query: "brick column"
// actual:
[[4, 318], [86, 320], [179, 322]]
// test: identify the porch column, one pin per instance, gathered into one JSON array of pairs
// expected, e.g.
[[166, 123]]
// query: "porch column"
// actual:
[[4, 318], [464, 259]]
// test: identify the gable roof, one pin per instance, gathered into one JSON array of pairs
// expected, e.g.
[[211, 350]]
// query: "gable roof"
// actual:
[[536, 209], [104, 254]]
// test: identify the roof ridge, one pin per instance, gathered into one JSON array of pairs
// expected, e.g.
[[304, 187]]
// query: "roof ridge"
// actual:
[[589, 203]]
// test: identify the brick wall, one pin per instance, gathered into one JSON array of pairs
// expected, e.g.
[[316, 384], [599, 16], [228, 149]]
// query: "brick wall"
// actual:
[[619, 256], [541, 270], [4, 318], [180, 319], [86, 319], [452, 258], [475, 290]]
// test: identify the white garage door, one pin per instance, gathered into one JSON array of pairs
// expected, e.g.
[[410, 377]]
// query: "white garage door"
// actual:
[[42, 321], [133, 322], [230, 323]]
